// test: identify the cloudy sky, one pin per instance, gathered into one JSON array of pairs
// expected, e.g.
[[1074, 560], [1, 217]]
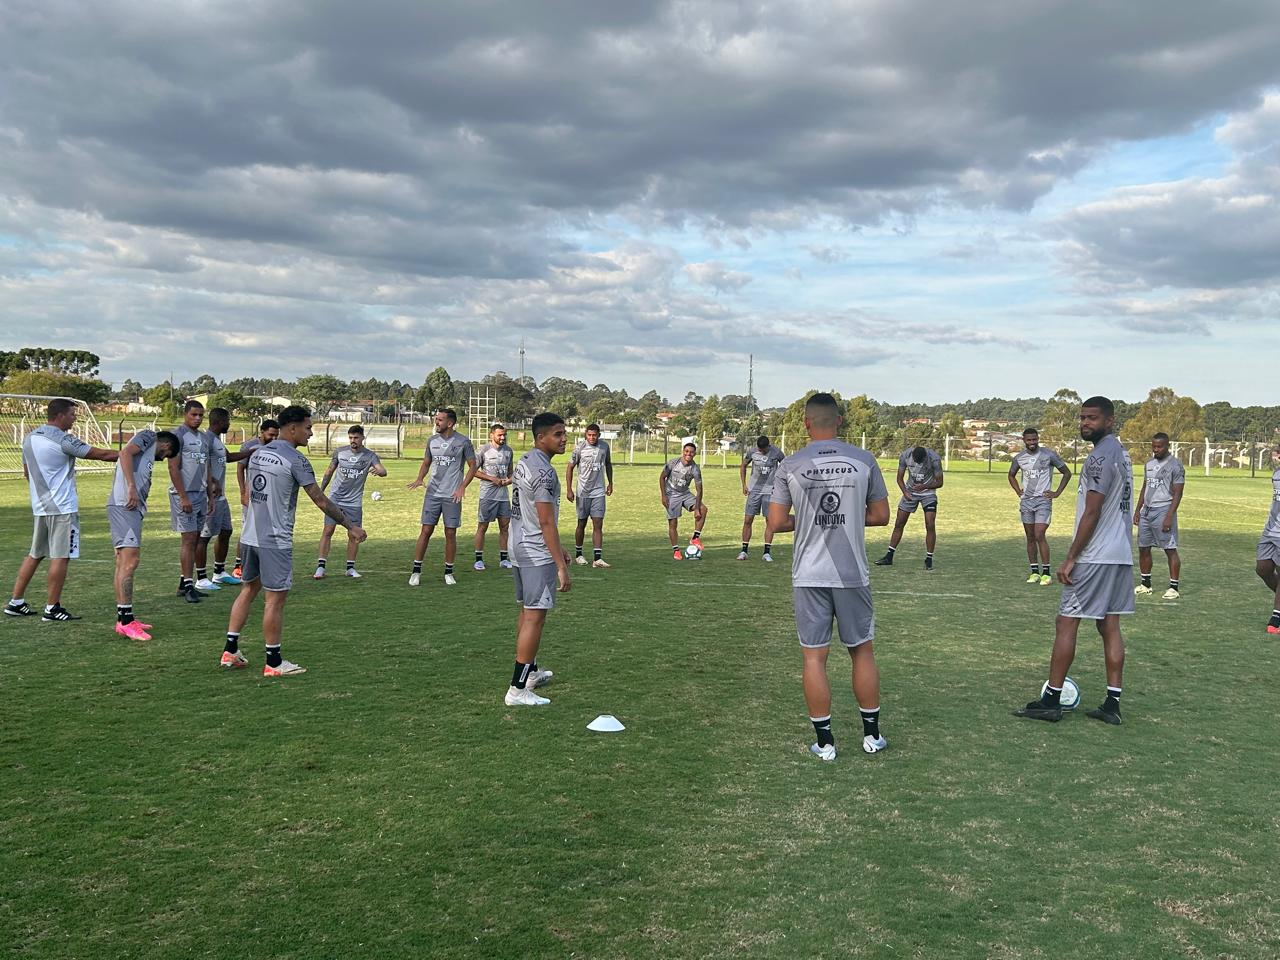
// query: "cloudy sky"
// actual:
[[920, 200]]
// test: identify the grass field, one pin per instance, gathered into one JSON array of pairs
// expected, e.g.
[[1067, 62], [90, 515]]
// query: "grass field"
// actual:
[[387, 804]]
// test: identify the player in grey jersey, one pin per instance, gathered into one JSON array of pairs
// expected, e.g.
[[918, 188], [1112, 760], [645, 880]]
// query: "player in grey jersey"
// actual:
[[268, 430], [1268, 566], [1035, 505], [191, 491], [594, 466], [276, 471], [1098, 569], [352, 465], [1156, 515], [673, 482], [541, 564], [217, 522], [763, 460], [126, 506], [494, 463], [448, 453], [836, 491], [919, 478]]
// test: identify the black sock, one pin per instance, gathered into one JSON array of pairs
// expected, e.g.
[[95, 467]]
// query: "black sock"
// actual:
[[1275, 617], [1146, 579], [417, 566], [448, 569], [219, 568], [893, 550], [1173, 584], [202, 573], [577, 551], [233, 642], [351, 564], [597, 553], [273, 655], [124, 613], [238, 558], [1051, 697], [768, 547], [502, 555], [929, 555], [520, 674], [697, 535], [479, 556], [184, 584], [1035, 569], [745, 546], [321, 562], [1113, 697], [871, 723], [822, 727]]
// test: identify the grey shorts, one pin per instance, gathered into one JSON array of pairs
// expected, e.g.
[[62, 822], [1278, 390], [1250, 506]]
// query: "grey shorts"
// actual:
[[192, 522], [850, 607], [1150, 534], [757, 504], [354, 512], [494, 508], [908, 505], [126, 527], [1036, 510], [536, 586], [590, 505], [56, 537], [433, 508], [217, 520], [1269, 550], [1098, 590], [677, 503], [271, 565]]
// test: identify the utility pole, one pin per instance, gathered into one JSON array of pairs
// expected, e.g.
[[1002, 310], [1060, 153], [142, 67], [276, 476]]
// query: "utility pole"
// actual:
[[522, 358], [751, 380]]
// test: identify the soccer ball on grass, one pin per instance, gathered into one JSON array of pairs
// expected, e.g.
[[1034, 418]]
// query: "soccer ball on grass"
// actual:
[[376, 495], [693, 552], [1070, 698]]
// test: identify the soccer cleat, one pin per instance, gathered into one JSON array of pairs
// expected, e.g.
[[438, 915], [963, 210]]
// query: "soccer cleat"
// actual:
[[827, 753], [415, 579], [1273, 629], [874, 744], [600, 564], [1038, 710], [59, 614], [191, 595], [233, 661], [928, 563], [133, 630], [229, 579], [207, 585], [505, 564], [21, 610], [1170, 594], [319, 574], [1106, 714], [1034, 578], [885, 561], [539, 678], [1045, 579], [286, 669], [353, 573], [523, 698], [449, 580], [1273, 625], [580, 560], [1142, 590], [676, 554], [144, 626], [478, 565], [767, 558], [742, 555]]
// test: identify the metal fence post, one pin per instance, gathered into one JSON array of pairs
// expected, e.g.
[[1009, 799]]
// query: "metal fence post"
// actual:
[[990, 442]]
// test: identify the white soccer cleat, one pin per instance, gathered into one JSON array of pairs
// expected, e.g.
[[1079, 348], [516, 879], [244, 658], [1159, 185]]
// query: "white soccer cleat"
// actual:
[[449, 580], [827, 753], [768, 558], [580, 560], [415, 579], [539, 678], [742, 555], [1171, 594], [287, 668], [353, 573], [319, 574], [600, 564], [1142, 590], [523, 698], [505, 564], [478, 565], [207, 585], [874, 744]]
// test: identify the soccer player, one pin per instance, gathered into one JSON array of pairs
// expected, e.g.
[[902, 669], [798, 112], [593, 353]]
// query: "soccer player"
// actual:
[[352, 464], [837, 491], [276, 471], [541, 565], [126, 507], [445, 455], [923, 468], [1156, 515], [49, 461], [1268, 567], [268, 430], [191, 491], [217, 522], [1036, 464], [493, 467], [673, 483], [1098, 569], [593, 463], [762, 460]]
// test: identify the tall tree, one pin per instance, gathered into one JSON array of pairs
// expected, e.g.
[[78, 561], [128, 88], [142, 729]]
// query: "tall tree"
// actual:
[[1164, 411], [1061, 420], [322, 392], [436, 391]]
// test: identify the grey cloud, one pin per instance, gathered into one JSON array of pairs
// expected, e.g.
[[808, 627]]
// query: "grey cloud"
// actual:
[[714, 274]]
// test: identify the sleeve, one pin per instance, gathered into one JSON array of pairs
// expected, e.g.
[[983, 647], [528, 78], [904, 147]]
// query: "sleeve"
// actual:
[[876, 489], [468, 450], [781, 487], [1015, 465], [145, 439], [74, 446], [1056, 461], [697, 473], [333, 461], [377, 460], [1179, 474], [746, 456], [608, 454], [576, 457], [302, 471]]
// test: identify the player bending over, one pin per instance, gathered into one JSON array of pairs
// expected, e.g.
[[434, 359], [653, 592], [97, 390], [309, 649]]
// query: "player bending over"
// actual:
[[919, 479], [763, 459]]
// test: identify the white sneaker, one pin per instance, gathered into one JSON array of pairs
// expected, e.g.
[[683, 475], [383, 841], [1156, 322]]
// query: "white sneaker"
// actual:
[[287, 668], [478, 565], [600, 564], [539, 678], [523, 698], [353, 573], [505, 564], [742, 555], [874, 744], [415, 579], [1171, 594], [319, 574], [207, 585], [768, 558], [449, 581], [1141, 590], [827, 753], [580, 560]]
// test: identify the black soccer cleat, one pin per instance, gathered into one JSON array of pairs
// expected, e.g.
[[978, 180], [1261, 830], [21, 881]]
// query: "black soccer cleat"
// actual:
[[19, 610], [59, 614], [886, 560], [192, 595], [1106, 713], [928, 563], [1039, 710]]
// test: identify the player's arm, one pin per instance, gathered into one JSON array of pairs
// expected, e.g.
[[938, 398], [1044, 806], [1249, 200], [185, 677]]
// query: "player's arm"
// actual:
[[877, 513], [662, 484], [938, 480], [780, 519], [237, 456], [130, 451], [422, 470], [333, 511], [328, 475], [551, 537], [1142, 495], [568, 476], [242, 475], [466, 482], [1088, 522], [1062, 485], [378, 470], [1014, 468], [98, 453], [698, 485], [175, 479], [608, 473], [742, 475], [1172, 512], [902, 472]]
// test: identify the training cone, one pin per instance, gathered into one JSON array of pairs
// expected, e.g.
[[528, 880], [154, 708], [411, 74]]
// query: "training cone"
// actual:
[[606, 723]]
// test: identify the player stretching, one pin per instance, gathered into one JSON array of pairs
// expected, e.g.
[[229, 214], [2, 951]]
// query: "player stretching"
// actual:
[[837, 490], [276, 471], [445, 455], [673, 483], [763, 459], [923, 468], [353, 464], [1036, 464], [493, 467], [594, 466], [1156, 515], [217, 522], [126, 507], [49, 462], [268, 430], [1268, 567], [541, 565], [1098, 569]]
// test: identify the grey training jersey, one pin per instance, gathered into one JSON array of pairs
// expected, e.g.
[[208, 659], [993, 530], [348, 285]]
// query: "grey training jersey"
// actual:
[[50, 456], [1272, 530], [496, 462], [1037, 471], [143, 462], [448, 458], [350, 470], [681, 475], [536, 482], [762, 468], [1162, 477], [276, 471], [829, 484], [217, 461], [1110, 472], [589, 465], [925, 472], [194, 452]]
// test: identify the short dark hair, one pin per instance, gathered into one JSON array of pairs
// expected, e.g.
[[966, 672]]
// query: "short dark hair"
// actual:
[[918, 454], [293, 413], [762, 442], [544, 422], [450, 413], [592, 426], [222, 412], [192, 405], [1100, 403], [355, 428], [690, 444], [268, 425], [1031, 430], [496, 426], [175, 445], [1160, 436], [59, 406]]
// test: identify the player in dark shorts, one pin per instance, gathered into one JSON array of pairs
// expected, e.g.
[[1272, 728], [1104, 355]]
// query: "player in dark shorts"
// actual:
[[1156, 516], [593, 464], [674, 481], [1268, 566], [919, 478], [268, 430], [1035, 499]]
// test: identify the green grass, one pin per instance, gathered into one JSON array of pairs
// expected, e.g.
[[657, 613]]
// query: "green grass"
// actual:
[[387, 804]]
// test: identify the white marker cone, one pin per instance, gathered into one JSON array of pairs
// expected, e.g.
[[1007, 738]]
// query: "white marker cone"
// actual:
[[606, 723]]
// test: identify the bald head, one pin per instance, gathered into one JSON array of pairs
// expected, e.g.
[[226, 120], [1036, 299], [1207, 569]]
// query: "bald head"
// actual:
[[822, 416]]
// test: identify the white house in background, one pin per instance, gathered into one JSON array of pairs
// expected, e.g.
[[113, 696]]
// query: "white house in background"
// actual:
[[353, 413]]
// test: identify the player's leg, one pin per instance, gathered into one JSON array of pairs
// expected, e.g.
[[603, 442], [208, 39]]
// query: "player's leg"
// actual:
[[673, 534], [1033, 556], [1049, 705], [57, 579], [1144, 567], [504, 531], [1113, 651], [322, 552], [272, 631], [1268, 571], [17, 605], [817, 693], [353, 551], [1175, 573], [747, 522], [1042, 541], [814, 611], [232, 658], [482, 530], [420, 551], [126, 566], [768, 534], [597, 537], [580, 535], [450, 552], [855, 618], [535, 589], [222, 547], [700, 521], [899, 525], [930, 533]]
